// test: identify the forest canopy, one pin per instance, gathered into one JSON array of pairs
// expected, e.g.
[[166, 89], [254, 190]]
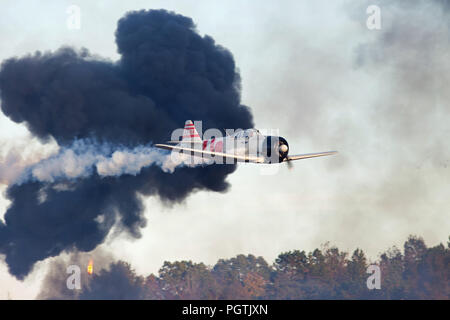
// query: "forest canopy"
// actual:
[[416, 272]]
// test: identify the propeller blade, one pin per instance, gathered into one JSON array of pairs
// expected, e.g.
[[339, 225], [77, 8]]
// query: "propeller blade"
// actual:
[[290, 165]]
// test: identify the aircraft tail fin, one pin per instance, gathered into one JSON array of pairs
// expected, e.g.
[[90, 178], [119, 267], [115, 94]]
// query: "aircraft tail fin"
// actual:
[[190, 134]]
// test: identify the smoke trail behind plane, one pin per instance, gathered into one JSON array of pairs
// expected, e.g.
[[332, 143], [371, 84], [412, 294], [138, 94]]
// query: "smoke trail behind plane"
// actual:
[[84, 157]]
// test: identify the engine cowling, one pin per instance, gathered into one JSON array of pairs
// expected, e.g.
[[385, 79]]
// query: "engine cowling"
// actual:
[[275, 149]]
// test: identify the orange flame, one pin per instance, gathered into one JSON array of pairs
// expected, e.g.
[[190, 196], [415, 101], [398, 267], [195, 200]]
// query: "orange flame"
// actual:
[[90, 267]]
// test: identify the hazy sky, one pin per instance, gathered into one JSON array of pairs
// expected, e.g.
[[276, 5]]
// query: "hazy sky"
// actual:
[[313, 70]]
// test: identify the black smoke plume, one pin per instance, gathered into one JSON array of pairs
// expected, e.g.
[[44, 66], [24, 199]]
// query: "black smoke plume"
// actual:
[[167, 74]]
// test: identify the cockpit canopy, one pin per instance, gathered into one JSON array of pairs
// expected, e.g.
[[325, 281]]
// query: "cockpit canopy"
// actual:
[[247, 134]]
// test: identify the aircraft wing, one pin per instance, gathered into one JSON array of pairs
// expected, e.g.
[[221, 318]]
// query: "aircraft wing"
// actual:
[[309, 155], [199, 152], [181, 141]]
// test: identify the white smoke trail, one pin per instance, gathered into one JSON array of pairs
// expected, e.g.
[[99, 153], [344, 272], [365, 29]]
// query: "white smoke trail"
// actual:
[[132, 161], [15, 158], [11, 166], [85, 157]]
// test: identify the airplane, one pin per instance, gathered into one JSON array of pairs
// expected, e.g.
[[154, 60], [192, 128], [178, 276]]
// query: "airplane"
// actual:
[[248, 145]]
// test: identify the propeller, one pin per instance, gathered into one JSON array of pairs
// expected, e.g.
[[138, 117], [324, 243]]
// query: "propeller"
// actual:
[[290, 165]]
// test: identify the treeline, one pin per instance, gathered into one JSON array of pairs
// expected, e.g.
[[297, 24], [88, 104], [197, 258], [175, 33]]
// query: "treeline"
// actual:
[[417, 272]]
